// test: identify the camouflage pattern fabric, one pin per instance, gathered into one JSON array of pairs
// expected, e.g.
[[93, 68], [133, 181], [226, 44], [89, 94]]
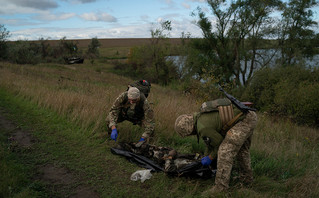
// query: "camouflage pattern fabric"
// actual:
[[138, 113], [166, 157], [214, 104], [236, 145]]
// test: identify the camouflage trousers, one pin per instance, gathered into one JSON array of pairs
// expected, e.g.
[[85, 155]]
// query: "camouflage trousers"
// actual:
[[236, 145]]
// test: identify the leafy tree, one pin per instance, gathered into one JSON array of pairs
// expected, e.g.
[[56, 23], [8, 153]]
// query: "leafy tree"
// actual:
[[150, 60], [45, 47], [4, 34], [233, 38], [296, 39], [93, 47], [159, 51], [68, 48]]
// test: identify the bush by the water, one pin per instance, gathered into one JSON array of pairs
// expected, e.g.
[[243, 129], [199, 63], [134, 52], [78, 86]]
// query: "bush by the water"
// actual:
[[287, 91]]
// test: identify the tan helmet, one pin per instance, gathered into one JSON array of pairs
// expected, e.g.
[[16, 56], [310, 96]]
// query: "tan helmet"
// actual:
[[184, 125]]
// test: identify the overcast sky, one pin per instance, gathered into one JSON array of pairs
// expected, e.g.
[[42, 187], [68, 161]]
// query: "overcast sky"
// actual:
[[86, 19], [82, 19]]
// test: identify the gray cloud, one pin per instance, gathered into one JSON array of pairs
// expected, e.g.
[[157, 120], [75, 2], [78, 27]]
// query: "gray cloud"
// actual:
[[98, 17], [185, 5], [87, 1], [17, 22], [41, 5], [80, 1], [48, 16], [145, 18]]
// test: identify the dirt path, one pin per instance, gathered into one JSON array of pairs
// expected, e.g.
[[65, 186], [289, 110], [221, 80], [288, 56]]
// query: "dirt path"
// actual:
[[58, 179]]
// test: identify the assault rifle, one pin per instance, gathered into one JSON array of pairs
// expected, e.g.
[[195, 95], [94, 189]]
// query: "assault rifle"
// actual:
[[236, 102]]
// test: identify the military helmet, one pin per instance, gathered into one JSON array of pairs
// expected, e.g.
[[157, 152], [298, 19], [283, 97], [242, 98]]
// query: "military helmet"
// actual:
[[184, 125]]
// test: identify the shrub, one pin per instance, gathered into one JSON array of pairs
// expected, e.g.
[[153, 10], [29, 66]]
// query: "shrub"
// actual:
[[4, 34], [24, 52], [151, 62], [286, 91]]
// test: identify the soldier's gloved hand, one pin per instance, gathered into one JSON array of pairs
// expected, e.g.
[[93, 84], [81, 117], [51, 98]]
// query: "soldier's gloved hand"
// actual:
[[142, 139], [206, 161], [140, 142], [114, 134]]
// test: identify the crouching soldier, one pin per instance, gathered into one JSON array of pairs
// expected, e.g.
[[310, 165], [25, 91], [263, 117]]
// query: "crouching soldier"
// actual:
[[227, 132], [134, 107]]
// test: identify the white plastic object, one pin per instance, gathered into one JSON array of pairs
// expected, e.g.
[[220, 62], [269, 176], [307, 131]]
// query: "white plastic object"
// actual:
[[142, 175]]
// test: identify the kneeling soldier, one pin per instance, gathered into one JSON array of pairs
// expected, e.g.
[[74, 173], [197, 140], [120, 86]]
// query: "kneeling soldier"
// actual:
[[134, 107]]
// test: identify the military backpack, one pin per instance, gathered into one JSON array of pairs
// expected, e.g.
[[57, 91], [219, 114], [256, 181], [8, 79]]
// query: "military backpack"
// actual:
[[143, 85], [223, 106]]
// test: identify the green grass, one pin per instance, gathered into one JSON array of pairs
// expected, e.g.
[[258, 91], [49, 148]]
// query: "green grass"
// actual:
[[17, 165], [115, 53], [284, 155], [60, 143], [64, 144], [14, 175]]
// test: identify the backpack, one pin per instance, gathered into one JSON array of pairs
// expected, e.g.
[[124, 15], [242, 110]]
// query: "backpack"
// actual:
[[224, 107], [143, 85]]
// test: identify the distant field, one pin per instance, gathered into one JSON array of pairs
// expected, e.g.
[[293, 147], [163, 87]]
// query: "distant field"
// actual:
[[113, 48], [121, 42]]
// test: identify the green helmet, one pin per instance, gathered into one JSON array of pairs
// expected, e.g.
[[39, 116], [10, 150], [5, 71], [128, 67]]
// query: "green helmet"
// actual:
[[184, 125]]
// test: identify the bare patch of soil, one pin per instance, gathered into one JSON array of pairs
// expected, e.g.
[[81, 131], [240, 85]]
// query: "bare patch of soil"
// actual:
[[17, 137], [60, 179]]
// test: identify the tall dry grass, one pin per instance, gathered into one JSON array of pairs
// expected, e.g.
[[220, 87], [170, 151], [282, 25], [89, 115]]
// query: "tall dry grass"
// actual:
[[284, 138], [85, 96], [289, 153]]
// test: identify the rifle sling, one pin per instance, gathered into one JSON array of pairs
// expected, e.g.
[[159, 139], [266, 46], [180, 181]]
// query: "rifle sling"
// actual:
[[230, 123]]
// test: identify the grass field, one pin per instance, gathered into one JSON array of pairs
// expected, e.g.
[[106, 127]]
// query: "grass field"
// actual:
[[63, 108], [112, 48], [115, 43]]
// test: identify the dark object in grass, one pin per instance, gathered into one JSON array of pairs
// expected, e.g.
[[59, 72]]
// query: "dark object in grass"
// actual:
[[74, 60]]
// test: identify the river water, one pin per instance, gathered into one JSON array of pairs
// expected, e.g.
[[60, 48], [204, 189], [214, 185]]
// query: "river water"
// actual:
[[267, 55]]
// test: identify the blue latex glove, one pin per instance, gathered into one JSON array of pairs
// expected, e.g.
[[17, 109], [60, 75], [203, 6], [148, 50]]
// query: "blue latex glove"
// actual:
[[142, 140], [114, 134], [206, 161]]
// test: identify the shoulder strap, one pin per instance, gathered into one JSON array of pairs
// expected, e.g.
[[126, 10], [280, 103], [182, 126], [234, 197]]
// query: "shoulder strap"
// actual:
[[230, 123]]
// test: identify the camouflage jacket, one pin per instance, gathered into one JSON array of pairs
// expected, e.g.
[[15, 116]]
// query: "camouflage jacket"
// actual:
[[137, 113]]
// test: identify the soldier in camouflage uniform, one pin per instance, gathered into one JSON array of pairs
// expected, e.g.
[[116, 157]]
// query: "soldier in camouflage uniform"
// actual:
[[226, 143], [134, 107]]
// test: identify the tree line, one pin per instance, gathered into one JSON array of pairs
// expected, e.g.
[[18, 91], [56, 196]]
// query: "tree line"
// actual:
[[40, 51]]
